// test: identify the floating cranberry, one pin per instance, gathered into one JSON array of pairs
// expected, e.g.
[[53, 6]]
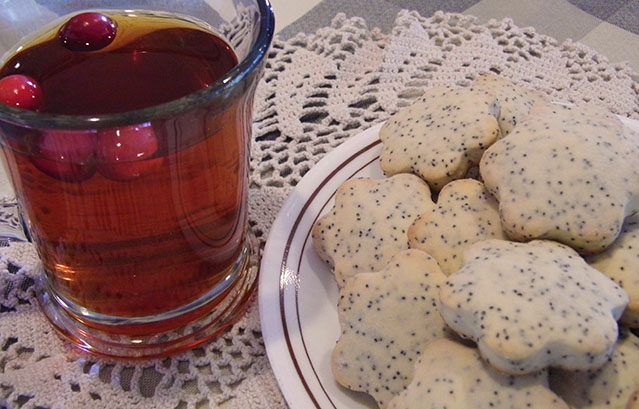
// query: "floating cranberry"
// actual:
[[66, 155], [127, 153], [20, 91], [87, 32]]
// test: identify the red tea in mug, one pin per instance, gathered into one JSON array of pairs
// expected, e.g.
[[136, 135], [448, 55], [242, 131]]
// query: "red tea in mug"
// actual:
[[141, 219]]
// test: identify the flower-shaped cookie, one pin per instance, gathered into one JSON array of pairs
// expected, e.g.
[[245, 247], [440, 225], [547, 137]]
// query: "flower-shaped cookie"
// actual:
[[534, 305], [612, 386], [453, 376], [620, 262], [565, 173], [387, 318], [368, 223], [440, 136], [465, 214], [514, 101]]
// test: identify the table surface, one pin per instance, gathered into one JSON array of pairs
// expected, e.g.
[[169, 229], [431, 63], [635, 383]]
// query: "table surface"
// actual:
[[609, 27]]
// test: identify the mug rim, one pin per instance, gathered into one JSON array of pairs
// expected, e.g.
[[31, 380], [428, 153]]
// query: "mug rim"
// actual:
[[217, 89]]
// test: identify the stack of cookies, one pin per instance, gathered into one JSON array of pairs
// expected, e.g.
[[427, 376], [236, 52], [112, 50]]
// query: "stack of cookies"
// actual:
[[497, 265]]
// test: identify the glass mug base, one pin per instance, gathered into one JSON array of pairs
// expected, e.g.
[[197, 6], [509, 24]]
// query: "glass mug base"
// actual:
[[159, 335]]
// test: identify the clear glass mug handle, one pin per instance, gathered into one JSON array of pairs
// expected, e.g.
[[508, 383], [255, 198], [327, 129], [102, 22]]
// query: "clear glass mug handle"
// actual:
[[11, 224]]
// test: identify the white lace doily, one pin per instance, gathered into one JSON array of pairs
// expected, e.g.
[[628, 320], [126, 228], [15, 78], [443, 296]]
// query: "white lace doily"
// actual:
[[317, 91]]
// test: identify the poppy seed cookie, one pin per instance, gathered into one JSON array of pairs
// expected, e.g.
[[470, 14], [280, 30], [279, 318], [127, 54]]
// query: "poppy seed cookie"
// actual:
[[515, 102], [368, 223], [612, 386], [450, 375], [387, 318], [465, 214], [534, 305], [633, 403], [440, 136], [620, 262], [565, 173]]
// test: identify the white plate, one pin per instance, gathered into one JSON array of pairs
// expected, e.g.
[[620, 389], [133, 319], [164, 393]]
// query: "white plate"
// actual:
[[297, 291]]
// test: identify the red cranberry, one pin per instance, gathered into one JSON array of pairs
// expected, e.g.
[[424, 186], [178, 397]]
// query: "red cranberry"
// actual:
[[20, 91], [127, 153], [87, 32], [66, 155]]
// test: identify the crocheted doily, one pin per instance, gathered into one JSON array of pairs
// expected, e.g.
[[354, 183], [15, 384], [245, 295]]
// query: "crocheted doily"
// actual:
[[317, 91]]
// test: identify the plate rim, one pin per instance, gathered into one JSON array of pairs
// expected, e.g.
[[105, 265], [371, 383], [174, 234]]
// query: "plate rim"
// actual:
[[276, 251]]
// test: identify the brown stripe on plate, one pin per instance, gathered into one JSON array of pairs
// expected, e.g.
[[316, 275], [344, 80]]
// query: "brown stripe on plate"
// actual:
[[283, 271]]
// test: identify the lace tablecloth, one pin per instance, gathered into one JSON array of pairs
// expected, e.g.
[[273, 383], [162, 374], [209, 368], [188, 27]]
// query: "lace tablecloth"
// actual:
[[317, 91]]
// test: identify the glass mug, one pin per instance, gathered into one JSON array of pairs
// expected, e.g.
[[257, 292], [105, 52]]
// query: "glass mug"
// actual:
[[147, 254]]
